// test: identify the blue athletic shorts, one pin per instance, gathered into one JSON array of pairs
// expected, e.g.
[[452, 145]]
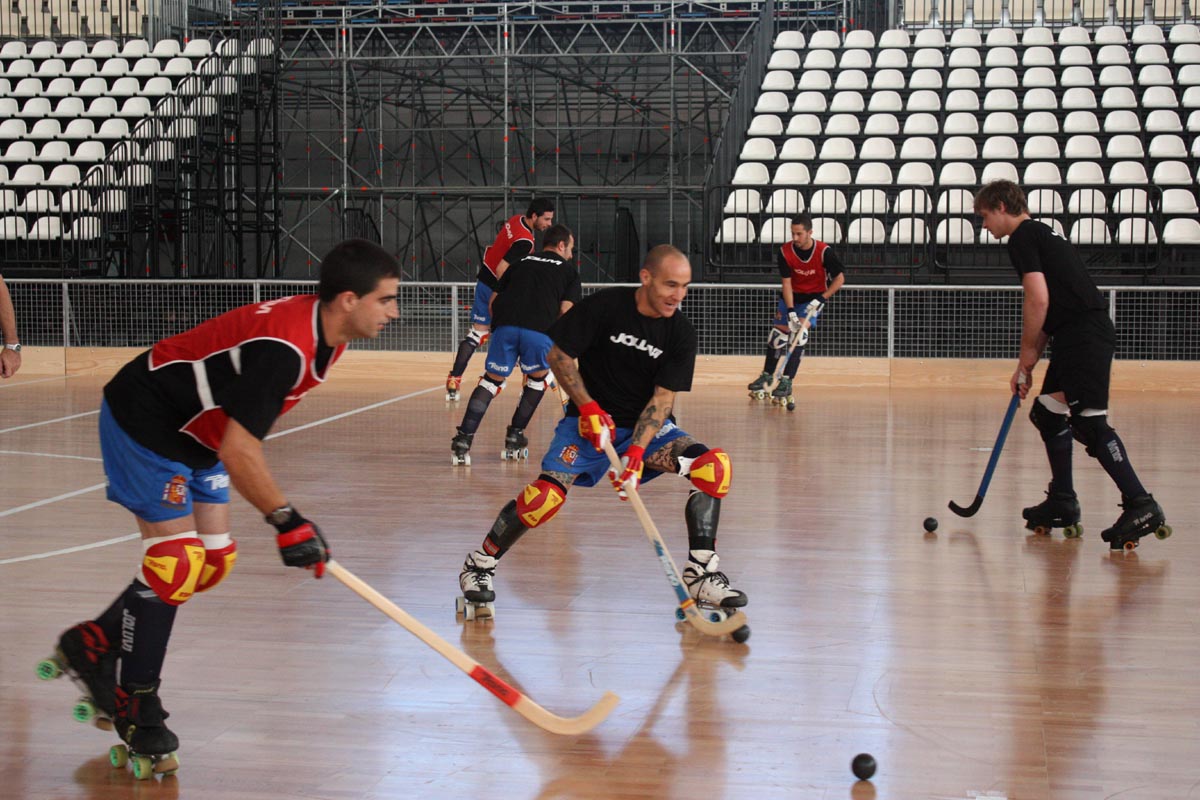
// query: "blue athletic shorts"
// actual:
[[569, 452], [480, 313], [154, 488], [781, 312], [511, 344]]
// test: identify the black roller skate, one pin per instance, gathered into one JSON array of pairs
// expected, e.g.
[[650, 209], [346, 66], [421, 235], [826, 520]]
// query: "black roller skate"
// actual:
[[476, 583], [149, 745], [1058, 510], [758, 387], [84, 655], [1142, 515], [453, 385], [515, 445], [782, 394], [460, 447]]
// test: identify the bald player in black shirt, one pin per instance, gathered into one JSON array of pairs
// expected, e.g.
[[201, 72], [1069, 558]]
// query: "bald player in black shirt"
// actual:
[[1062, 305]]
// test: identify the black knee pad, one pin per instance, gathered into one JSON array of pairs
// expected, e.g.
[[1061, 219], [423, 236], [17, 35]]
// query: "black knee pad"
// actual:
[[1048, 423], [1090, 431]]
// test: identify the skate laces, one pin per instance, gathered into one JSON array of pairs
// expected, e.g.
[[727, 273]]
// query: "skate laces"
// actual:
[[707, 572]]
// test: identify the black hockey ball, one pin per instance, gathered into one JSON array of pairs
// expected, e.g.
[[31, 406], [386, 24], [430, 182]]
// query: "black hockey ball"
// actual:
[[741, 635], [863, 766], [930, 524]]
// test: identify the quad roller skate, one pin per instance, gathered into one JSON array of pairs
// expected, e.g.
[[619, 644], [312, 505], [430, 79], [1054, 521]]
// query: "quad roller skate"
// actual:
[[148, 745], [515, 445], [83, 654], [1058, 510], [453, 384], [1142, 515], [782, 395], [477, 601], [460, 447], [759, 386], [710, 588]]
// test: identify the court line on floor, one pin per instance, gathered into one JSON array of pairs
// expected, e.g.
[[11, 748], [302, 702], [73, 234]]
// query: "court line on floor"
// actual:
[[47, 455], [106, 542], [10, 385], [49, 421]]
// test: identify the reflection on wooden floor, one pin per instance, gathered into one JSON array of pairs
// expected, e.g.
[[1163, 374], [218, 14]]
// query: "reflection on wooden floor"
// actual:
[[976, 659]]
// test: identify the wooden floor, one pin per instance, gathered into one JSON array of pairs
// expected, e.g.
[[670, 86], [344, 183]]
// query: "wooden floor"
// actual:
[[979, 660]]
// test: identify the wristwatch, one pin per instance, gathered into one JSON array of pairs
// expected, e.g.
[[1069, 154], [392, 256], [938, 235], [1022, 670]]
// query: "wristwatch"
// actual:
[[280, 515], [15, 347]]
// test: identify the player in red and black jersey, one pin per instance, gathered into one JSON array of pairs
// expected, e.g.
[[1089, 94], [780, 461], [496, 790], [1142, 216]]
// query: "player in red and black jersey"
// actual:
[[810, 273], [179, 424], [512, 243]]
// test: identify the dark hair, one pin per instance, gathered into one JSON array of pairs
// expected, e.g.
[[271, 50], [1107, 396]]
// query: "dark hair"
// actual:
[[355, 265], [658, 255], [539, 206], [804, 220], [556, 235], [998, 193]]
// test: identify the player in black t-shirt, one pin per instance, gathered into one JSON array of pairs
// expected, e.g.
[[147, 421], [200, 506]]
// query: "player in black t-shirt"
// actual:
[[1063, 305], [810, 273], [635, 351], [530, 296]]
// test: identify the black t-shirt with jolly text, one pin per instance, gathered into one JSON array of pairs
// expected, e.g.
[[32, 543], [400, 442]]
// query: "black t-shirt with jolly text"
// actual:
[[624, 355], [1035, 247], [531, 292]]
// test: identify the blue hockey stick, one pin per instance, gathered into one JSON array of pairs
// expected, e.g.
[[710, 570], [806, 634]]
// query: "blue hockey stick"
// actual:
[[970, 510]]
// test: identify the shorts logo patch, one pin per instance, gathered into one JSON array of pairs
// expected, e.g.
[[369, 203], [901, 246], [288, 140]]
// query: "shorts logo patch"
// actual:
[[217, 482], [569, 454], [175, 491]]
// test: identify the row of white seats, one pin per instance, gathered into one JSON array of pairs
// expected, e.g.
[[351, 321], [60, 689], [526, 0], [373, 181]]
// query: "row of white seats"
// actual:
[[912, 231], [100, 175], [69, 108], [1087, 202], [965, 123], [133, 48], [23, 153], [1075, 98], [1080, 147], [969, 78], [128, 86], [72, 201], [969, 58], [45, 130], [957, 173], [1181, 33], [50, 229], [90, 67]]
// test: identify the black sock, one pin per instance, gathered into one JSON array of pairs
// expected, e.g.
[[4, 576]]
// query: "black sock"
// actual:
[[1058, 453], [530, 398], [772, 360], [146, 623], [477, 406], [1110, 452], [793, 364], [466, 349], [110, 621]]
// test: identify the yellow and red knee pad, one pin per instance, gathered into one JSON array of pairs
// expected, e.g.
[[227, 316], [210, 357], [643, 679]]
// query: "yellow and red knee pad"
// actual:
[[171, 566], [711, 472], [220, 554], [540, 501]]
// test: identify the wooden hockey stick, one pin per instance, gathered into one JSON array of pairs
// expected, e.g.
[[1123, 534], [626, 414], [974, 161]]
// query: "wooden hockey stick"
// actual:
[[567, 726], [969, 511], [687, 605]]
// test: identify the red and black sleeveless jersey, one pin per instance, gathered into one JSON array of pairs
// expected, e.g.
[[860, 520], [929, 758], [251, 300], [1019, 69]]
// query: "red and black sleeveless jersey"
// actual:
[[251, 364], [808, 274], [513, 242]]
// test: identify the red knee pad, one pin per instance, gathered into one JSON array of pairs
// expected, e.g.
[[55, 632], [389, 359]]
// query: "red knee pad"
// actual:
[[539, 502], [171, 568], [712, 472], [217, 564]]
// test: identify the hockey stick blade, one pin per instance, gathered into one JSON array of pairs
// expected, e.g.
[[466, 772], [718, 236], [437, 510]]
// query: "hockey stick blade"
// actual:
[[734, 622], [969, 511], [510, 696]]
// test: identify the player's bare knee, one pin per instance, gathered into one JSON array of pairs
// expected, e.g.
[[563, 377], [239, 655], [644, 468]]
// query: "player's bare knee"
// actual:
[[540, 501], [1090, 429], [709, 470], [1046, 417], [171, 566], [220, 554]]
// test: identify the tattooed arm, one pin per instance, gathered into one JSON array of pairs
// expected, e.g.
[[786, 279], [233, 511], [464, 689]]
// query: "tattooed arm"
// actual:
[[653, 416], [567, 374]]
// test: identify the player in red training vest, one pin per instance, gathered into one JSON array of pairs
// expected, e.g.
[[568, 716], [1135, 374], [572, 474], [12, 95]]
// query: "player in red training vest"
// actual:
[[513, 242], [178, 425], [811, 274]]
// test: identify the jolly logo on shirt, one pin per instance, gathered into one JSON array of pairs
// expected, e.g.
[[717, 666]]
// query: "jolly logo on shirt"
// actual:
[[629, 340]]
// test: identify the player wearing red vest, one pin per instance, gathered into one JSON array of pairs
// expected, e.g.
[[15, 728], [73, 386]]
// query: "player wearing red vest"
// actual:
[[178, 425], [512, 243], [810, 274]]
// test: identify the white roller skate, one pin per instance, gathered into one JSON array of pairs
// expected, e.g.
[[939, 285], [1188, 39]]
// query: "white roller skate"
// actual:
[[453, 385], [710, 588], [476, 583]]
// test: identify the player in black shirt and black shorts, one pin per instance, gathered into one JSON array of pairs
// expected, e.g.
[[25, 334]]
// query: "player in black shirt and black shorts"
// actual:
[[1063, 305], [635, 351], [530, 296]]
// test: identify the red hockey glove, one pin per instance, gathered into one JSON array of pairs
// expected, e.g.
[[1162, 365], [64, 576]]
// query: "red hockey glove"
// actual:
[[631, 475], [596, 425]]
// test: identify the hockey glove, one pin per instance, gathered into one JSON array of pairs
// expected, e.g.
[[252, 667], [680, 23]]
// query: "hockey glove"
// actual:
[[596, 425], [814, 307], [793, 320], [631, 475], [301, 543]]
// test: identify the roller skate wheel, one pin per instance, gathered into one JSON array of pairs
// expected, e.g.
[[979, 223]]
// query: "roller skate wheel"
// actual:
[[679, 615], [103, 723], [48, 669], [1073, 531], [741, 635], [1130, 545], [1042, 530], [460, 606], [167, 765], [1163, 532], [717, 615], [118, 755], [469, 612], [525, 455], [504, 455], [143, 767], [758, 395], [83, 711], [485, 611]]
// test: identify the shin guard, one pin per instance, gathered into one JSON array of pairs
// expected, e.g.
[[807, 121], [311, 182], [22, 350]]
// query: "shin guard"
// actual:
[[505, 532], [703, 515]]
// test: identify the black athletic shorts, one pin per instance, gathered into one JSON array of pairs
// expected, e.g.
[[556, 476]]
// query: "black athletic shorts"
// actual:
[[1081, 354]]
